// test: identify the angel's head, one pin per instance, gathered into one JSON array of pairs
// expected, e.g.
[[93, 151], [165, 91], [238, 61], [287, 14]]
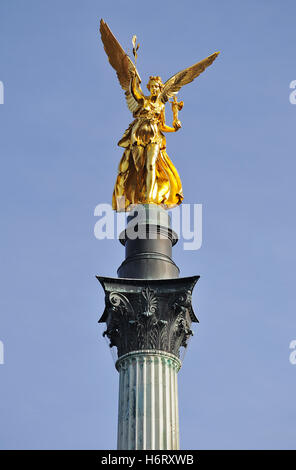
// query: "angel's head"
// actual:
[[155, 85]]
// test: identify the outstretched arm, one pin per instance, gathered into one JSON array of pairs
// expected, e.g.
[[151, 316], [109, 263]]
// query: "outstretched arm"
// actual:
[[165, 128]]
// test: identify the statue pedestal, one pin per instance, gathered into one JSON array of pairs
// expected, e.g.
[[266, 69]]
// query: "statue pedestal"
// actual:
[[148, 314], [148, 241]]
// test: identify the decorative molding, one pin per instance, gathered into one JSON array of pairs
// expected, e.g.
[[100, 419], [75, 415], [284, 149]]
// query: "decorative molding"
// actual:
[[156, 356], [151, 300], [148, 315]]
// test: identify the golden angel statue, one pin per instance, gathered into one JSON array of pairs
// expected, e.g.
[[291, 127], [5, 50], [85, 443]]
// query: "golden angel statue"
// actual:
[[146, 174]]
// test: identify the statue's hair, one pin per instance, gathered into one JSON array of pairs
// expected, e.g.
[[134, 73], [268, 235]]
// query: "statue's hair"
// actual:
[[155, 79]]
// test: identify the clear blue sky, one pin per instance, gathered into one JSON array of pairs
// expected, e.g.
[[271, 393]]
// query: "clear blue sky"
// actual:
[[63, 114]]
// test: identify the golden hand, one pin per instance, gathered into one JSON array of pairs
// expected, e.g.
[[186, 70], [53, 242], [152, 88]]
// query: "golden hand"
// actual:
[[177, 125], [176, 107]]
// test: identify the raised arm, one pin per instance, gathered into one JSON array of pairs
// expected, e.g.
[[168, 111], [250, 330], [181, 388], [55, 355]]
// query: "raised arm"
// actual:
[[135, 89]]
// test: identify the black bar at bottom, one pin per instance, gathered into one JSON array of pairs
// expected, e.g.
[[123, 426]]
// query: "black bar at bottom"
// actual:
[[133, 459]]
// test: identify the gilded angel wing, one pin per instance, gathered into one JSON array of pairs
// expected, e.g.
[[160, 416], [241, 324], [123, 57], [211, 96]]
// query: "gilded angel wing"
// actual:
[[173, 84], [120, 61]]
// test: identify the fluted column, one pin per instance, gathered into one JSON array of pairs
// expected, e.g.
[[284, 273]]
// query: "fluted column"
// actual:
[[148, 401], [148, 315]]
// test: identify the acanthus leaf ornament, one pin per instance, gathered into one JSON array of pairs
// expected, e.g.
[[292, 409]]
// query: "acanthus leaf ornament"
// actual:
[[143, 315], [151, 302]]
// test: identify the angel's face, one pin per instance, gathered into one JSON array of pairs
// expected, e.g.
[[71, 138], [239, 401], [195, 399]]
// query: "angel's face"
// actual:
[[154, 88]]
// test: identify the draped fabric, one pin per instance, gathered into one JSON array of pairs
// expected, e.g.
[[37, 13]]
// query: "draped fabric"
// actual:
[[130, 187]]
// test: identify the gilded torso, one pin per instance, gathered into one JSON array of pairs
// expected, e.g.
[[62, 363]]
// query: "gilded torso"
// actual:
[[146, 128]]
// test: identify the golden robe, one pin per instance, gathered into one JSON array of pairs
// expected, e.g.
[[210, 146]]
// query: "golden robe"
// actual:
[[130, 187]]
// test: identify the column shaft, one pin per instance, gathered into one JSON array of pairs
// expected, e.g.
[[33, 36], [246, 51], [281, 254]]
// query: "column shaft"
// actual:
[[148, 401]]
